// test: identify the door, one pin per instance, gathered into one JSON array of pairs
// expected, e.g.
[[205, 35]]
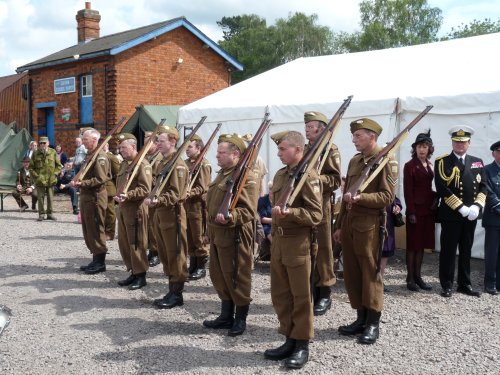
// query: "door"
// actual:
[[86, 113], [49, 125]]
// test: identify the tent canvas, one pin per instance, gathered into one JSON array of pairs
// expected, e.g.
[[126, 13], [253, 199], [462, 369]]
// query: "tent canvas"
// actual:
[[12, 149], [391, 86]]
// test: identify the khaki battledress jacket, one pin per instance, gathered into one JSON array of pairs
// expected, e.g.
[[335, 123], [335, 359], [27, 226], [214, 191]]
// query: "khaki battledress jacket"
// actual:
[[153, 160], [93, 203], [232, 284], [170, 221], [291, 256], [133, 218], [360, 225], [195, 206]]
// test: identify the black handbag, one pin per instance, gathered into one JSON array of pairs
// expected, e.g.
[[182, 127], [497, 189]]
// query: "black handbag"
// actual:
[[398, 220]]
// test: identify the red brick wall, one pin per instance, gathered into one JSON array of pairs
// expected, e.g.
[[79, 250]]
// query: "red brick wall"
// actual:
[[147, 74], [12, 105]]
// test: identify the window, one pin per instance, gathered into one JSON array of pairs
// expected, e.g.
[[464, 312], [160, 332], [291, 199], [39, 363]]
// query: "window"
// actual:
[[87, 85]]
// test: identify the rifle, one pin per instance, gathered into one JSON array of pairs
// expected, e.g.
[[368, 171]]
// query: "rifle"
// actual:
[[195, 168], [239, 175], [134, 166], [319, 148], [90, 159], [380, 160], [163, 176]]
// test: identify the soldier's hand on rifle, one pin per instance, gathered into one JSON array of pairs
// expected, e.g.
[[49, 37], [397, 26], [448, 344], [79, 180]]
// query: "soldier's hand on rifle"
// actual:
[[150, 202], [279, 213], [75, 183], [222, 220], [120, 198], [337, 235], [349, 198]]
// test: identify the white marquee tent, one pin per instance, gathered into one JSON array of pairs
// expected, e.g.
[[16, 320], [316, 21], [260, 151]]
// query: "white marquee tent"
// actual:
[[459, 78]]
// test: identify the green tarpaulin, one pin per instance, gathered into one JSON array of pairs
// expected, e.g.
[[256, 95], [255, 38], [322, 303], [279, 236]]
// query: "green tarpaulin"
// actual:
[[12, 148]]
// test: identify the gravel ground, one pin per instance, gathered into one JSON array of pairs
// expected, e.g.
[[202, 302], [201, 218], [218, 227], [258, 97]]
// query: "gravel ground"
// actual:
[[66, 322]]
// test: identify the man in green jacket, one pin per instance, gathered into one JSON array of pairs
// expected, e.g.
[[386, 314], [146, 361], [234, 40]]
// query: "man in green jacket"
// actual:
[[45, 166]]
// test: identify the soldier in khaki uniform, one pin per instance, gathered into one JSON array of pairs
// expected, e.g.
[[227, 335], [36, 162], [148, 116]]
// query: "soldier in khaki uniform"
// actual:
[[44, 167], [358, 229], [231, 239], [93, 203], [154, 157], [292, 231], [170, 221], [324, 275], [195, 206], [133, 215], [110, 218]]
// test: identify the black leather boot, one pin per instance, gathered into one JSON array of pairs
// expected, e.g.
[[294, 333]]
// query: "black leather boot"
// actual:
[[371, 332], [299, 356], [173, 298], [324, 301], [83, 268], [281, 352], [240, 321], [199, 272], [129, 280], [139, 282], [192, 264], [98, 266], [226, 318], [355, 327]]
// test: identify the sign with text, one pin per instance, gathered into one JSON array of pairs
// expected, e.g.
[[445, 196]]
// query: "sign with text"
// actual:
[[64, 85]]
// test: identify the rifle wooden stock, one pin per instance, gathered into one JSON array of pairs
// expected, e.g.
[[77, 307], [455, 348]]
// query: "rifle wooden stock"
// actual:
[[163, 176], [381, 159], [134, 166], [91, 158], [195, 168], [314, 157], [239, 175]]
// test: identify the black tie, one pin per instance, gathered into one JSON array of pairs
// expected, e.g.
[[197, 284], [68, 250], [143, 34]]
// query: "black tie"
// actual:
[[461, 161]]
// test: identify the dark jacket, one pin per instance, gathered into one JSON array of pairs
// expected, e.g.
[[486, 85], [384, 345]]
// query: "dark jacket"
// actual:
[[491, 216], [417, 182]]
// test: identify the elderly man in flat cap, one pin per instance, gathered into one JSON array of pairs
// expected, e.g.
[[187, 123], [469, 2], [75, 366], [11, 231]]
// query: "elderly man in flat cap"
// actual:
[[170, 219], [491, 224], [461, 187], [357, 228], [324, 276], [44, 168], [25, 185], [231, 239], [293, 231], [133, 215]]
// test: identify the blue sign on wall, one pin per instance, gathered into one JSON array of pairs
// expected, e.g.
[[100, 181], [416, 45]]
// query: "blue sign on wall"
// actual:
[[64, 85]]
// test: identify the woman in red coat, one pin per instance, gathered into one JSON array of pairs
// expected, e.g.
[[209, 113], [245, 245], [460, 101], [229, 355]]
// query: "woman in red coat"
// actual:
[[420, 208]]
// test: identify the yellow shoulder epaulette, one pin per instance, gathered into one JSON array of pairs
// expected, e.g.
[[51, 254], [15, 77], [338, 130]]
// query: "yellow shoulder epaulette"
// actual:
[[442, 156]]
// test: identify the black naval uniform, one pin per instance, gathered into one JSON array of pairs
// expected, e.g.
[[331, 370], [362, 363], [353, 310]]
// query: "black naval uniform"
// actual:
[[458, 185]]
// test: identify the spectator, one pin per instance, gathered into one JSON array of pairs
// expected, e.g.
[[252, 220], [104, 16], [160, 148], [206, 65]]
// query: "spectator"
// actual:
[[491, 224], [63, 185], [32, 148], [80, 154], [421, 208], [390, 241], [25, 185], [62, 156], [264, 209]]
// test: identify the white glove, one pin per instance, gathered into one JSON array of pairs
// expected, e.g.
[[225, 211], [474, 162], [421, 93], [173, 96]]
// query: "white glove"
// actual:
[[473, 213], [464, 211]]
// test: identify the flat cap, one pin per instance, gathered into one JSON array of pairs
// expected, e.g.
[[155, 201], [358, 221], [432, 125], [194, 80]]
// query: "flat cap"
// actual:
[[235, 139], [170, 130], [495, 146], [124, 136], [366, 123], [313, 115], [277, 137], [44, 140], [461, 133]]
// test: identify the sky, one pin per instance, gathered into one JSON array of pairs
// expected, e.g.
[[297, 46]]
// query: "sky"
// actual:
[[32, 29]]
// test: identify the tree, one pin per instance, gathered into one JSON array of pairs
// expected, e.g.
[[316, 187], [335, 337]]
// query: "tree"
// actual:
[[392, 23], [260, 47], [474, 28]]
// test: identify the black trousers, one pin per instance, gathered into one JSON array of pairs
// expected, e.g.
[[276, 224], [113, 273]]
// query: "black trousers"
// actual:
[[453, 234]]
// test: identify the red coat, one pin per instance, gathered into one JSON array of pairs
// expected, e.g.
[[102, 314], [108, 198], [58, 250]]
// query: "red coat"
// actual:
[[419, 199]]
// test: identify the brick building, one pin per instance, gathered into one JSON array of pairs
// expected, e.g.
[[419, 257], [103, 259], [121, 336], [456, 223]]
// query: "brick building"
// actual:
[[100, 79], [13, 100]]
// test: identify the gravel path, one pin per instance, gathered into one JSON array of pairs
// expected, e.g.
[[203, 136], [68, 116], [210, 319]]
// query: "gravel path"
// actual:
[[66, 322]]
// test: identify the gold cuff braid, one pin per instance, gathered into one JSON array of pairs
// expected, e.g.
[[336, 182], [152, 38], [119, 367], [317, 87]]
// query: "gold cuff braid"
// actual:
[[481, 199], [453, 202]]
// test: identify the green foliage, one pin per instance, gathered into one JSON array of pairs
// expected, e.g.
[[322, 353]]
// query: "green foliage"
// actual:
[[476, 27]]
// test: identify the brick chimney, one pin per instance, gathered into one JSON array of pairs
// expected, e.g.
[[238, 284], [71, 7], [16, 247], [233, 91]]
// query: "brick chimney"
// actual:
[[87, 23]]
